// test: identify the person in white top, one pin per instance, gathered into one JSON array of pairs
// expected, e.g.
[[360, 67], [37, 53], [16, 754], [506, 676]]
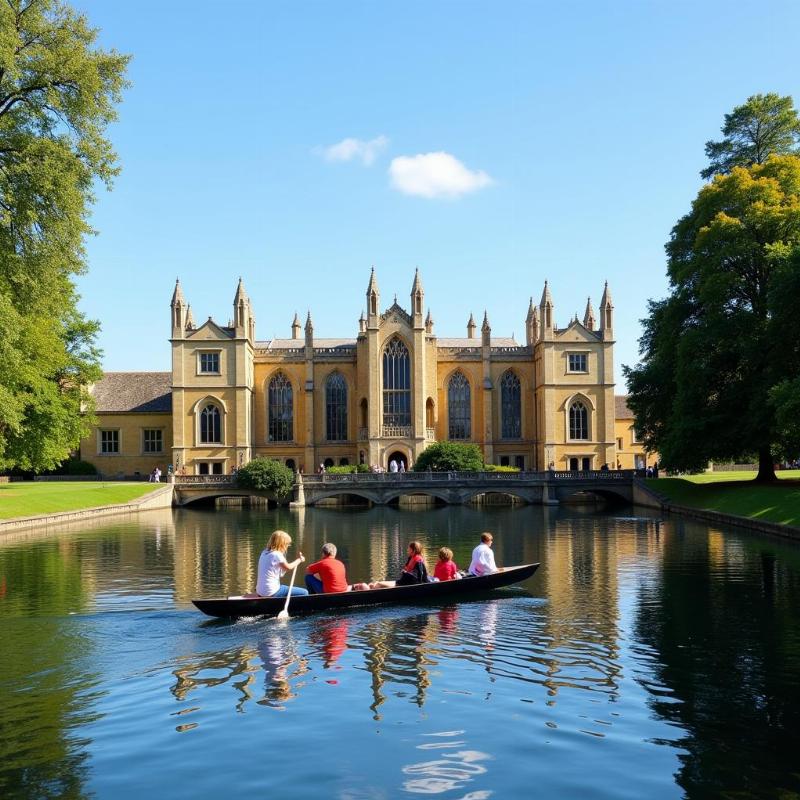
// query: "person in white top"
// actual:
[[272, 564], [482, 557]]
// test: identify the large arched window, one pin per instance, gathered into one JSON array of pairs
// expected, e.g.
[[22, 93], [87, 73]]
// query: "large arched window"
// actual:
[[459, 416], [336, 408], [510, 406], [281, 410], [578, 421], [396, 384], [210, 425]]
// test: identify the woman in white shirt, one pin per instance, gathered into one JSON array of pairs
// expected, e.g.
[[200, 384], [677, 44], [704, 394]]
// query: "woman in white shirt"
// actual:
[[272, 564]]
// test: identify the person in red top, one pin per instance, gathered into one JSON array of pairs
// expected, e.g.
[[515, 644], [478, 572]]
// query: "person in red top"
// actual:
[[414, 570], [445, 569], [328, 574]]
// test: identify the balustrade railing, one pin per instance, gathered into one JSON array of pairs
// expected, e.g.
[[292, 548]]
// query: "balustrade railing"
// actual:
[[397, 431], [430, 434], [204, 479], [482, 477]]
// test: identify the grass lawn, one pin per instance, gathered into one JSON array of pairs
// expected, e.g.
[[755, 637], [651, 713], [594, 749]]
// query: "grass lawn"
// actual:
[[27, 499], [735, 493]]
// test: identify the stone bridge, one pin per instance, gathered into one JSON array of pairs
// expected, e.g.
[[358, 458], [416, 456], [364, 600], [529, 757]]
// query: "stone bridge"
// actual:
[[455, 488]]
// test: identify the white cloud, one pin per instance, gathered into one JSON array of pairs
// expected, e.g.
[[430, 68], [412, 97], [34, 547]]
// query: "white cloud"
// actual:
[[435, 175], [354, 149]]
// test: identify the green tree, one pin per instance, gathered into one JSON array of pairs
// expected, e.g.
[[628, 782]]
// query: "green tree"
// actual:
[[715, 350], [58, 93], [767, 124], [450, 456], [266, 475]]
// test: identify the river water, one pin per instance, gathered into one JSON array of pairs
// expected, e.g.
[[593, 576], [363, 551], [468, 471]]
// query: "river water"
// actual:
[[647, 658]]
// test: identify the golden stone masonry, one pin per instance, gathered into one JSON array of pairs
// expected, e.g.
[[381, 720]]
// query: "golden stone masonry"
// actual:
[[384, 395]]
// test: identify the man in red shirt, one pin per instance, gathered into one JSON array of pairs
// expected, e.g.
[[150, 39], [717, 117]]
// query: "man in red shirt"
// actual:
[[326, 575]]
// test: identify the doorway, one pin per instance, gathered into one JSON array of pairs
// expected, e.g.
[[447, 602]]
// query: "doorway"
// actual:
[[573, 464], [399, 458]]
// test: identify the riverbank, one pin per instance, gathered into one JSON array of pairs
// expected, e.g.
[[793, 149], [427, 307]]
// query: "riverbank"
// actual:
[[733, 494], [27, 505]]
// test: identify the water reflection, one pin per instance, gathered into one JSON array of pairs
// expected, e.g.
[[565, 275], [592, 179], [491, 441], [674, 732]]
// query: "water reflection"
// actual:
[[660, 636], [451, 771]]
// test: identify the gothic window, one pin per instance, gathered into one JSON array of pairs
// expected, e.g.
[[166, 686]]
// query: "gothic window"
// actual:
[[458, 407], [578, 421], [510, 406], [396, 384], [210, 425], [336, 408], [281, 410]]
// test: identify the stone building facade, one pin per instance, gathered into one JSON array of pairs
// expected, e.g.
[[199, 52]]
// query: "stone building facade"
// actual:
[[385, 394]]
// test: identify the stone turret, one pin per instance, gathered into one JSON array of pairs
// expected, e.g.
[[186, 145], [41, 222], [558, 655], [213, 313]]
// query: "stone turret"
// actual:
[[309, 331], [589, 319], [243, 320], [417, 300], [532, 324], [373, 301], [362, 323], [189, 319], [429, 323], [607, 313], [178, 306], [471, 327], [546, 313], [486, 331], [296, 326]]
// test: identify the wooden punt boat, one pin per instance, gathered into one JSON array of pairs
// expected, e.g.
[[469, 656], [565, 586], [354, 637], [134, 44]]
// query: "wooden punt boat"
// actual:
[[266, 606]]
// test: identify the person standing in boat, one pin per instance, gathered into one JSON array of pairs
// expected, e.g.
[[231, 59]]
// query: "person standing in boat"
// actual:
[[328, 574], [272, 564], [414, 570], [482, 557]]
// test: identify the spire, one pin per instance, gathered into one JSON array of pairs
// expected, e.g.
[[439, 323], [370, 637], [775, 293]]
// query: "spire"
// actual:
[[486, 331], [372, 286], [546, 308], [532, 324], [373, 300], [606, 298], [546, 296], [417, 285], [471, 327], [429, 323], [589, 319], [362, 323], [189, 319], [606, 312], [296, 327], [241, 295], [309, 331], [177, 295], [178, 311]]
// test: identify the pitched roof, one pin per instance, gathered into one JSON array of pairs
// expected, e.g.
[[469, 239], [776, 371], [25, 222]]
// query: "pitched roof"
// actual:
[[621, 409], [133, 391]]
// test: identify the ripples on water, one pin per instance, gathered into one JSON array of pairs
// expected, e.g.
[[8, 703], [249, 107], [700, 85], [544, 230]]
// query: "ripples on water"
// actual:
[[645, 659]]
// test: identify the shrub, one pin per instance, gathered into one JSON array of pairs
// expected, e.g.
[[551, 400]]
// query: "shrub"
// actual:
[[266, 475], [77, 467], [498, 468], [341, 470], [449, 457]]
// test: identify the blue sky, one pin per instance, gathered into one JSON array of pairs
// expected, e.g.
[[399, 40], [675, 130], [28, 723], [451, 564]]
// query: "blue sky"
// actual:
[[510, 142]]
